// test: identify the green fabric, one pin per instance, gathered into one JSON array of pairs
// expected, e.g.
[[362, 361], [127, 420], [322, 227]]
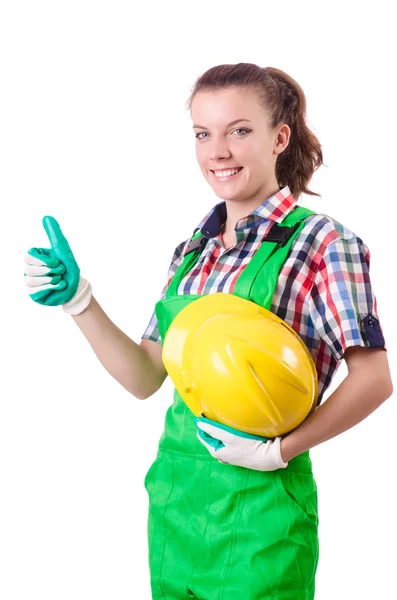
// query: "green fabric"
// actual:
[[65, 272], [221, 532]]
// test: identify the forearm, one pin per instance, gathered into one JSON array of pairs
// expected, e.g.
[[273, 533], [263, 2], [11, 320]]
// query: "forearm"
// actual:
[[355, 398], [123, 359]]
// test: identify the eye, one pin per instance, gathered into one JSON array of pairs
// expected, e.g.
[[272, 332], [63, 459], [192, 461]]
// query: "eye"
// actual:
[[242, 129], [238, 129]]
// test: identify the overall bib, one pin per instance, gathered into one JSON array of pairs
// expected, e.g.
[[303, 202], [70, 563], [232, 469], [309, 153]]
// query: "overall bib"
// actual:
[[217, 531]]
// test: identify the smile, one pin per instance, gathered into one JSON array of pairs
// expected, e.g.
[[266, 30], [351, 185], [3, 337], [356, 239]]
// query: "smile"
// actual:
[[227, 177]]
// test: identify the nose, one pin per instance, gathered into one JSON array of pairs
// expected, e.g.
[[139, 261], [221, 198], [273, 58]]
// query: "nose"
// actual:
[[219, 154], [219, 148]]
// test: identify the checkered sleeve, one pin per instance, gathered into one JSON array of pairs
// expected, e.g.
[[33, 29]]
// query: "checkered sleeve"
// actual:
[[152, 330], [342, 304]]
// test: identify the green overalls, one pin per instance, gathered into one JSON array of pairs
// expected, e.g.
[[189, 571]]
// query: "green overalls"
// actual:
[[217, 531]]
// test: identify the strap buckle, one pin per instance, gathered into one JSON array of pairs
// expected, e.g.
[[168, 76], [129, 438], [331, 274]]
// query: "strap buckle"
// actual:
[[280, 234], [196, 245]]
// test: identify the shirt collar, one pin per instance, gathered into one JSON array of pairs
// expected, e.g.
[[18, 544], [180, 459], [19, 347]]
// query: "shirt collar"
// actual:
[[275, 208]]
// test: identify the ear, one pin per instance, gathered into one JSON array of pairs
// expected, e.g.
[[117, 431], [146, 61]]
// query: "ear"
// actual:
[[282, 138]]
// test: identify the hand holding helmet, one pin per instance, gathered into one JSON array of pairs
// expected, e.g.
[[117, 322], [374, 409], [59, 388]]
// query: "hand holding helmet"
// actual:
[[233, 447]]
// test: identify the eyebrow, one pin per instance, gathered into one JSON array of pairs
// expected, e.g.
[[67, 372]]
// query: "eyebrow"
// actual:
[[232, 123]]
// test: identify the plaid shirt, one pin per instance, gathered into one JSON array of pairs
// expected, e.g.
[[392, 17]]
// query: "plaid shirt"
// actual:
[[323, 291]]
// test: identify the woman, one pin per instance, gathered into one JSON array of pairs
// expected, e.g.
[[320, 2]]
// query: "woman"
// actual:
[[242, 522]]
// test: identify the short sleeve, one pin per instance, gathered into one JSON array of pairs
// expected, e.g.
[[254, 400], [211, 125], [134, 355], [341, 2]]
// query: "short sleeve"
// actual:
[[342, 304], [152, 330]]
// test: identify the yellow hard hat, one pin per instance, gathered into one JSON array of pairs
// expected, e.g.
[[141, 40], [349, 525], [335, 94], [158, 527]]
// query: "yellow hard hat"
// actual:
[[237, 363]]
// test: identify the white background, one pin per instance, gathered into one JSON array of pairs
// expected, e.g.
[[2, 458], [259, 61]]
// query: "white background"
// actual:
[[94, 131]]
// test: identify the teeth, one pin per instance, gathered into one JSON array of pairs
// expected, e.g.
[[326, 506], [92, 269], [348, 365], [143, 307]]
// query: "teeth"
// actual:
[[226, 173]]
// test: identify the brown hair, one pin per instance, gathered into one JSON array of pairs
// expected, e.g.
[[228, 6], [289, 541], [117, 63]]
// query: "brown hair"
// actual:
[[285, 100]]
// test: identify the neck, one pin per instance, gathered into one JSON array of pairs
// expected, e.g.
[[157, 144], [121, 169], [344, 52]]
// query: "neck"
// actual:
[[237, 209]]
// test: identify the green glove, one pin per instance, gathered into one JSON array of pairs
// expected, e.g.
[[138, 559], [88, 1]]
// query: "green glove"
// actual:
[[52, 275]]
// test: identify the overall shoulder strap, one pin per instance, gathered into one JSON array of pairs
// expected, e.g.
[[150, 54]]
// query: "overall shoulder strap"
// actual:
[[281, 233], [299, 213], [191, 256], [259, 278]]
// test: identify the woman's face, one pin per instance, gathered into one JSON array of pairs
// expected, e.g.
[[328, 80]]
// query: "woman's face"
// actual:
[[249, 143]]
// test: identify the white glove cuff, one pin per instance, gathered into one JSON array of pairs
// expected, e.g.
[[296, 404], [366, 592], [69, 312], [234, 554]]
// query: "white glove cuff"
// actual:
[[80, 300], [275, 452]]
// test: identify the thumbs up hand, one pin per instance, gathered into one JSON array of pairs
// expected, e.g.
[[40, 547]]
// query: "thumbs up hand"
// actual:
[[52, 276]]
